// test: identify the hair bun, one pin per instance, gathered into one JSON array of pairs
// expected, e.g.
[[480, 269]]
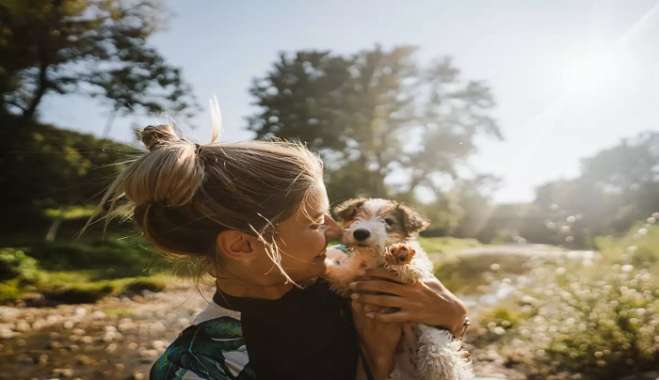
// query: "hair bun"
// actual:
[[154, 136]]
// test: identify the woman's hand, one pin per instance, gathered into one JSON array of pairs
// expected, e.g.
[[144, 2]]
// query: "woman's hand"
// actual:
[[427, 302], [379, 341]]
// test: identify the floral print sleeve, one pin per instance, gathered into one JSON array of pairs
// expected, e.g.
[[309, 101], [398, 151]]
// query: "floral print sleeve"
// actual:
[[212, 348]]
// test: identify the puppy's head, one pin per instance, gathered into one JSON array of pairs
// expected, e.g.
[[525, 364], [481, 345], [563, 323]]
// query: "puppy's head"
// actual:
[[377, 223]]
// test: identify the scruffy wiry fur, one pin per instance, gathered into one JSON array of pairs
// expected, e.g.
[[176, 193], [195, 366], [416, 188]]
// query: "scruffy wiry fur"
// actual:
[[382, 233]]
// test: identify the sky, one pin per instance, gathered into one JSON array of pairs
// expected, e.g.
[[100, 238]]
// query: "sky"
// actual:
[[570, 78]]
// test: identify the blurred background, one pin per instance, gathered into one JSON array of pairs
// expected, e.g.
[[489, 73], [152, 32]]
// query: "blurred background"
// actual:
[[526, 131]]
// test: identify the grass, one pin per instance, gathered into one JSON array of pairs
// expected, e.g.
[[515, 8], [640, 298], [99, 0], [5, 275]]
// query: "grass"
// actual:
[[81, 271], [446, 245], [468, 274]]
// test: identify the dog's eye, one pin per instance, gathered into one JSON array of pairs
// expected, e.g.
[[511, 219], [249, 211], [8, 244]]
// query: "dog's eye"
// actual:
[[389, 221]]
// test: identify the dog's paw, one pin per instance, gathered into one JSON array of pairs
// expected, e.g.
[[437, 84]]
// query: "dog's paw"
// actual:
[[399, 254]]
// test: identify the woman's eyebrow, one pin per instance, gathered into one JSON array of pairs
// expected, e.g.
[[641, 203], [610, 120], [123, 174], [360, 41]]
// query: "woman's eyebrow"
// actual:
[[320, 215]]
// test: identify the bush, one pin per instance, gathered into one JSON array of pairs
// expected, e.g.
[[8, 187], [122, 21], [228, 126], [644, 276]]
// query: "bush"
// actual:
[[601, 323], [141, 284], [73, 294], [14, 263], [585, 319], [117, 257]]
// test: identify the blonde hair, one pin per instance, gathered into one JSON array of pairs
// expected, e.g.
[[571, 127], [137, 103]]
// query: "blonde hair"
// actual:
[[182, 194]]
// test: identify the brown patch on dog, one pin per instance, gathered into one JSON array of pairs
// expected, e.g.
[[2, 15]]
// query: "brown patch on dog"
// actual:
[[347, 210], [395, 222], [412, 220]]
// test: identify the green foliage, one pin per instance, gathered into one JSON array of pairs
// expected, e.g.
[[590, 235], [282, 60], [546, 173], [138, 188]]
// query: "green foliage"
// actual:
[[113, 257], [98, 48], [69, 212], [82, 271], [15, 264], [76, 293], [498, 321], [10, 290], [141, 284], [372, 112], [639, 247], [593, 318], [472, 273], [443, 245], [47, 168], [617, 187]]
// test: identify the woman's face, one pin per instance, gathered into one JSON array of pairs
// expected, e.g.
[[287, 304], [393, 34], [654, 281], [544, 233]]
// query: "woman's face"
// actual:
[[302, 241]]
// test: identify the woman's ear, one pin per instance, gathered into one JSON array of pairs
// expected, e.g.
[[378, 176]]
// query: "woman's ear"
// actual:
[[234, 245]]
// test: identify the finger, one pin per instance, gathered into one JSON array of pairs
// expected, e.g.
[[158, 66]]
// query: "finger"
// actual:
[[369, 308], [380, 286], [409, 336], [357, 307], [384, 274], [382, 300], [400, 316]]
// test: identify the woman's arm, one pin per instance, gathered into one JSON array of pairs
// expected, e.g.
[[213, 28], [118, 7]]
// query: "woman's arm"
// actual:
[[378, 342], [428, 302]]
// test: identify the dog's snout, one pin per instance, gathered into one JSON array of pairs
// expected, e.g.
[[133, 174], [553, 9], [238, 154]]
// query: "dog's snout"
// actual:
[[361, 234]]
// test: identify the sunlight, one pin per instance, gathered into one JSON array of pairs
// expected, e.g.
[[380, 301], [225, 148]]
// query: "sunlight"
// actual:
[[589, 72]]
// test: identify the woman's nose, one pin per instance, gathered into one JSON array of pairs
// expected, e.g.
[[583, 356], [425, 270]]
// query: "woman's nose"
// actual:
[[332, 228]]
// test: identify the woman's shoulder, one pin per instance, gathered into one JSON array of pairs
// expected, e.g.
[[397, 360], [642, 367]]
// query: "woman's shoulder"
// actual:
[[212, 347]]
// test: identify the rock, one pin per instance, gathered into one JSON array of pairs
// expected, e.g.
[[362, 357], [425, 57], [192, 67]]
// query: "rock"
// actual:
[[159, 345], [80, 311], [68, 324], [6, 331], [98, 315], [72, 347], [85, 360], [87, 339], [53, 344], [78, 331], [112, 347], [138, 375], [63, 372], [9, 313], [22, 326]]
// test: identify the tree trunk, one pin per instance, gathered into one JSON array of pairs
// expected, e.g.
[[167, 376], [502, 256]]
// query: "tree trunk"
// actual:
[[30, 111]]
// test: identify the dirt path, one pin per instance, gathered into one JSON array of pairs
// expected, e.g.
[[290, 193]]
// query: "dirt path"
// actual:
[[117, 338]]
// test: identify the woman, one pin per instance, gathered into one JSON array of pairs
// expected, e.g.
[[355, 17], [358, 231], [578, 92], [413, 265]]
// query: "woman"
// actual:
[[255, 216]]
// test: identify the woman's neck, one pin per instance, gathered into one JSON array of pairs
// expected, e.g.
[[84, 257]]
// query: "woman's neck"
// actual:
[[239, 288]]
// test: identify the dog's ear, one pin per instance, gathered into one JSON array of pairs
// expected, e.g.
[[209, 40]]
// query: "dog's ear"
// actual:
[[412, 220], [346, 210]]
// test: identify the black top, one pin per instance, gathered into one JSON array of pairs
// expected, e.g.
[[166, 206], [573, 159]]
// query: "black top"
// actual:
[[306, 334]]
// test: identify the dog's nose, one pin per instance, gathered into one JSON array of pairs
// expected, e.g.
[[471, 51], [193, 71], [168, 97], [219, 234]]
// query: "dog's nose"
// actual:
[[361, 234]]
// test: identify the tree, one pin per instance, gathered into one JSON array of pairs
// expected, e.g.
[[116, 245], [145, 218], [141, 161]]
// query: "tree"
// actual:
[[93, 47], [375, 114], [617, 187]]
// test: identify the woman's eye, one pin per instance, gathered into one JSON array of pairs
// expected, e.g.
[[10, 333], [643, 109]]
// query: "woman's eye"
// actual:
[[389, 221], [316, 226]]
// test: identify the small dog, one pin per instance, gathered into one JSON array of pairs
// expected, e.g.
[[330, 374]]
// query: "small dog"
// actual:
[[382, 233]]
